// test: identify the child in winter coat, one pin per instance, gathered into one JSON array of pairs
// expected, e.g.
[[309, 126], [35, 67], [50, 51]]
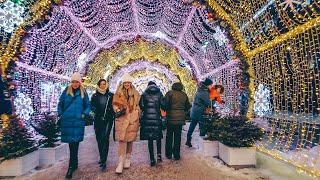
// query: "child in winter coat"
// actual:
[[215, 93]]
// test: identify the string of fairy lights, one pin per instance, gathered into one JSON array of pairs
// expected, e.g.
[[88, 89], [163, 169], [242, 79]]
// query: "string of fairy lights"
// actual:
[[263, 20], [292, 76], [284, 85], [117, 57], [228, 78], [143, 69]]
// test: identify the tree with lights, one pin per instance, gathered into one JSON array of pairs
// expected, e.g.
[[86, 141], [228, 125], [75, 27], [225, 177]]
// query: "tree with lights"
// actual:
[[15, 140], [48, 128], [235, 131]]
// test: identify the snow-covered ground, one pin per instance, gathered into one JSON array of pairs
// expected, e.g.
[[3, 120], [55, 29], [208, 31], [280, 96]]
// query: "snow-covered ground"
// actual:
[[193, 165]]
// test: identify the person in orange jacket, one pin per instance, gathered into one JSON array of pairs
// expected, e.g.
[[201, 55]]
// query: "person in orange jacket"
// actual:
[[215, 93]]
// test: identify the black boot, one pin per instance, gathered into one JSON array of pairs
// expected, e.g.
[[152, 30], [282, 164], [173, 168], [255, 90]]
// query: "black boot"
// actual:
[[152, 162], [103, 166], [169, 156], [159, 158], [188, 143], [151, 153], [69, 173]]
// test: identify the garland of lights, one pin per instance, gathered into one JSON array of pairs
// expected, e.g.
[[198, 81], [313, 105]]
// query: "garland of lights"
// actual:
[[292, 75], [141, 67], [228, 78], [12, 48], [112, 59], [142, 79], [261, 21]]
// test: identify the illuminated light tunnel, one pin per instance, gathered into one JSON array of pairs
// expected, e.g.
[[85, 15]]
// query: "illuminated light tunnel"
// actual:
[[264, 52]]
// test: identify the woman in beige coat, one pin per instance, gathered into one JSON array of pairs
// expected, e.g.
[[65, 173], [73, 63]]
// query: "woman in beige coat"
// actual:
[[127, 125]]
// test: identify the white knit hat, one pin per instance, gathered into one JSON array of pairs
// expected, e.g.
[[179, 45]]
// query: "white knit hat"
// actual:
[[76, 77], [127, 78]]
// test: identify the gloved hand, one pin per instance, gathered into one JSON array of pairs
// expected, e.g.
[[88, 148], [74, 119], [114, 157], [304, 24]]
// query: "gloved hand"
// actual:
[[91, 115]]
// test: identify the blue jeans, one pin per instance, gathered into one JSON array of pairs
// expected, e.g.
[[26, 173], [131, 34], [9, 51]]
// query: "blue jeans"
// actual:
[[193, 125]]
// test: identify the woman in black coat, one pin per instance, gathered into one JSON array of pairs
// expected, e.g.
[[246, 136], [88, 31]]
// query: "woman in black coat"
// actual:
[[151, 123], [101, 105]]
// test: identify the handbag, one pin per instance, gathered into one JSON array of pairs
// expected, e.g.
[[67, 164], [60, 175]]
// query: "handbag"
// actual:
[[120, 113]]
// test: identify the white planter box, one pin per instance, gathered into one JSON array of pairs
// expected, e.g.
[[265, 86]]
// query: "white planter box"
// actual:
[[48, 156], [210, 148], [20, 166], [238, 157]]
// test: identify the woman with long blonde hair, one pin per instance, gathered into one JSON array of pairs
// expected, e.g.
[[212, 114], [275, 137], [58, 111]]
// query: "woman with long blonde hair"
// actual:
[[73, 106], [126, 107]]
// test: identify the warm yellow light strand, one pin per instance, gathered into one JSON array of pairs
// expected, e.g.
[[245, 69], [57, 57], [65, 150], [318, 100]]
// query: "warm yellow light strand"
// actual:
[[291, 34], [124, 53], [37, 11]]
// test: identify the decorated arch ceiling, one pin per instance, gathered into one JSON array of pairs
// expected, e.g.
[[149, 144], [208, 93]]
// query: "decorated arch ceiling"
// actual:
[[77, 30], [80, 28]]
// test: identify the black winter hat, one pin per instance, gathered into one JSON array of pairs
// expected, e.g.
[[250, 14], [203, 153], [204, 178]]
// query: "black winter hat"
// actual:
[[151, 83], [207, 82]]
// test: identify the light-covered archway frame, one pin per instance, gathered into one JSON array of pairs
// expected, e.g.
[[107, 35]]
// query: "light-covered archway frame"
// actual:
[[152, 51]]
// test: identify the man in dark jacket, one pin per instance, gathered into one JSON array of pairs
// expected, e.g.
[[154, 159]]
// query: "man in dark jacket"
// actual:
[[200, 103], [151, 123], [101, 105], [176, 104]]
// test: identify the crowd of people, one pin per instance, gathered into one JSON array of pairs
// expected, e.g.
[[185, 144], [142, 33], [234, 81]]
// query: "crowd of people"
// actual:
[[127, 112]]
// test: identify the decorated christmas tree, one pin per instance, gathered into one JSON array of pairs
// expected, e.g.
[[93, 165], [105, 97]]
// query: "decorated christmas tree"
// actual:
[[48, 128], [15, 140], [212, 133], [236, 131]]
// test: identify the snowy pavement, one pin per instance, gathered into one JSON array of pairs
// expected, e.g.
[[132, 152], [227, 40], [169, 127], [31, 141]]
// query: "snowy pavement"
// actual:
[[191, 166]]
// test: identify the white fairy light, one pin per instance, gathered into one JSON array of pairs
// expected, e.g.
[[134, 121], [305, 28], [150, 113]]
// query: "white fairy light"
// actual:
[[220, 36], [262, 105], [23, 105], [10, 16]]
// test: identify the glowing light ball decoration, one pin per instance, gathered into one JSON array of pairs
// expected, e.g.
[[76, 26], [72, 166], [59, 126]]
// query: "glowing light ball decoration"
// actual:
[[220, 36], [262, 104], [11, 16], [23, 106]]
